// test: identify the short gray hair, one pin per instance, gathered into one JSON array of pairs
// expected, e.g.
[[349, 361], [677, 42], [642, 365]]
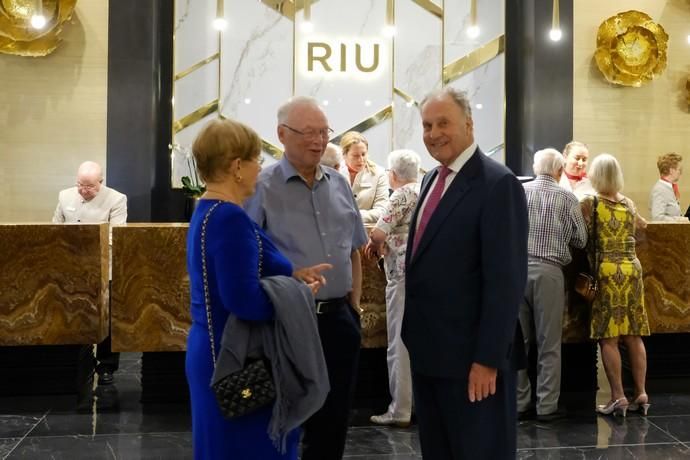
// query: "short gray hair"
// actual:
[[605, 174], [285, 109], [405, 164], [459, 97], [548, 161], [332, 156]]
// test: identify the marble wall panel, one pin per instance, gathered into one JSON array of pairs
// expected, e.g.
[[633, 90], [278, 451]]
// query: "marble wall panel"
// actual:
[[150, 289], [490, 19], [195, 39], [350, 96], [53, 284], [486, 90], [257, 70], [196, 89]]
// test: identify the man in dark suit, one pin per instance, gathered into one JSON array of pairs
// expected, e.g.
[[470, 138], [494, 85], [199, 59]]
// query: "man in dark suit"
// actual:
[[465, 278]]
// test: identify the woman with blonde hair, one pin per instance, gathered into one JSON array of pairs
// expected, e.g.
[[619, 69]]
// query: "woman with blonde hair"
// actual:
[[618, 312], [368, 181], [574, 178]]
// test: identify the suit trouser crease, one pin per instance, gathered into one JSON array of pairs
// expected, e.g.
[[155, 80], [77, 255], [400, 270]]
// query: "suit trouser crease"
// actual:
[[541, 318]]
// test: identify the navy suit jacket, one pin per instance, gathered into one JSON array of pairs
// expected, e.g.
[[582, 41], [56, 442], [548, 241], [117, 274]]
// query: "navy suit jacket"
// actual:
[[465, 282]]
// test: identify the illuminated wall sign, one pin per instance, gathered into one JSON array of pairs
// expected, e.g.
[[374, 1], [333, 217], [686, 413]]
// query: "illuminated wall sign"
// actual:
[[334, 58]]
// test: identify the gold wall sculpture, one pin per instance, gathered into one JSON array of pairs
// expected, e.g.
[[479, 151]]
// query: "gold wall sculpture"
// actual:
[[636, 125], [631, 48], [18, 37]]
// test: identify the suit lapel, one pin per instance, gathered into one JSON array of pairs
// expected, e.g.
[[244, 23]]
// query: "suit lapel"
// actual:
[[424, 190], [456, 191]]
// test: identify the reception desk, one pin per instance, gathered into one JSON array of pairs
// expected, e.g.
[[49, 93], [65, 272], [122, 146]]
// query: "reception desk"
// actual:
[[150, 290], [53, 306], [53, 284]]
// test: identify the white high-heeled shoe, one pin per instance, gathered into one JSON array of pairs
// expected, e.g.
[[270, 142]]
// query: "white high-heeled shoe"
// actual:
[[616, 407], [640, 404]]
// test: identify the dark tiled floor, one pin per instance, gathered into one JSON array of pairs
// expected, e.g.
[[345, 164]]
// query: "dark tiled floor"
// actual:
[[117, 426]]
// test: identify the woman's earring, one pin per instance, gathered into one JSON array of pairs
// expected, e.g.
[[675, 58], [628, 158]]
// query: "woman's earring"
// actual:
[[238, 178]]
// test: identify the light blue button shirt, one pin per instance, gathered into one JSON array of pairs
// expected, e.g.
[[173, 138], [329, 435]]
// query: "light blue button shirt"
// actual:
[[310, 226]]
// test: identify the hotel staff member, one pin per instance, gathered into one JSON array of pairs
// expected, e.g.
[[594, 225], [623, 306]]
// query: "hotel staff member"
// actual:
[[89, 201], [664, 199]]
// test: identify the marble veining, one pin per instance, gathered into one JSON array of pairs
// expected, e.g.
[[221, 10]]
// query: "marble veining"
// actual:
[[53, 283], [150, 298]]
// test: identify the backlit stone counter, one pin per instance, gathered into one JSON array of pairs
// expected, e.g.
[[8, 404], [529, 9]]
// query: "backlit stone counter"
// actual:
[[53, 284], [150, 289], [664, 252]]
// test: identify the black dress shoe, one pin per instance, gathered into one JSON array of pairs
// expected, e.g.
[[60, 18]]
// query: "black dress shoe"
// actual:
[[528, 414], [105, 378], [552, 417]]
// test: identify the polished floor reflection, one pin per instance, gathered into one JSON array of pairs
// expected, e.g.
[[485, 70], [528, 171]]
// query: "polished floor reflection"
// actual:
[[116, 426]]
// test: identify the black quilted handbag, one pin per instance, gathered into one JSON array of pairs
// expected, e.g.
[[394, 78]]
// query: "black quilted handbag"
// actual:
[[247, 390], [252, 387]]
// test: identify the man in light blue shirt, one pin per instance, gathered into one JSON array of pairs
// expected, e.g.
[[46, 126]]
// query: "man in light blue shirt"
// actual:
[[309, 212]]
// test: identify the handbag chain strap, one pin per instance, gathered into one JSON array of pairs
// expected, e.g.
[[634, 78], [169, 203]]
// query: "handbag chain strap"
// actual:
[[204, 271], [595, 216]]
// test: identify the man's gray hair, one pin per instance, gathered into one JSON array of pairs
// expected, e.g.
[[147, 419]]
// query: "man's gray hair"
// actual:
[[405, 164], [548, 161], [285, 109], [459, 97], [606, 174], [332, 156]]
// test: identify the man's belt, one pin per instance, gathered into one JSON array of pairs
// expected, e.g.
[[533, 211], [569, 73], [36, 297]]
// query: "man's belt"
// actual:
[[330, 305]]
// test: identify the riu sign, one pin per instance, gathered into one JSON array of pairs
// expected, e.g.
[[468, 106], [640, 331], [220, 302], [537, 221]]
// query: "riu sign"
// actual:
[[341, 57]]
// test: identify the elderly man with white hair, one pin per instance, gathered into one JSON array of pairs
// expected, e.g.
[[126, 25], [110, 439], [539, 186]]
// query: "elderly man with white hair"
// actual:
[[332, 156], [555, 224], [391, 230]]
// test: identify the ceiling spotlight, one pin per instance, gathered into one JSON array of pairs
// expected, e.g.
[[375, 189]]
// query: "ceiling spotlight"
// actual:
[[325, 102], [220, 23], [367, 102], [479, 106], [555, 34], [38, 21], [389, 31], [247, 100], [307, 27], [473, 31], [409, 104]]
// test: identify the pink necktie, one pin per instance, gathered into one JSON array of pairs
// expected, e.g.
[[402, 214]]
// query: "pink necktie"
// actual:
[[431, 204]]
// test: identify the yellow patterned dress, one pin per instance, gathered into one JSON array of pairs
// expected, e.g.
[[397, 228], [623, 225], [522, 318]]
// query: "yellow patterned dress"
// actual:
[[618, 308]]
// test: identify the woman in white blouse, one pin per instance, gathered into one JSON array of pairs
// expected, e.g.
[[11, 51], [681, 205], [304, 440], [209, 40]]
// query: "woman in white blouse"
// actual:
[[368, 181]]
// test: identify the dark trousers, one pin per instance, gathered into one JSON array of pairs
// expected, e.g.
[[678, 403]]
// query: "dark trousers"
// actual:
[[326, 430], [453, 428], [106, 360]]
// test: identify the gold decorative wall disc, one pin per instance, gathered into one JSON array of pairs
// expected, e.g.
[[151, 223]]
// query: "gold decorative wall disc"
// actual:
[[631, 48], [18, 37]]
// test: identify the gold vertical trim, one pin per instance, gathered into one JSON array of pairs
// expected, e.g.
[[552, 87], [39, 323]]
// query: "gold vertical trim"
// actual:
[[221, 9], [195, 116], [431, 7], [196, 66], [473, 60], [555, 16]]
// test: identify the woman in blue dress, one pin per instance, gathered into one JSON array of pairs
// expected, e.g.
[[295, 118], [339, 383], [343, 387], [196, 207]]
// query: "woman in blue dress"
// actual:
[[228, 157]]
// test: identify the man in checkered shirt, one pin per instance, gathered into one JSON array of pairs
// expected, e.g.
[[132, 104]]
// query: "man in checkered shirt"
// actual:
[[555, 224]]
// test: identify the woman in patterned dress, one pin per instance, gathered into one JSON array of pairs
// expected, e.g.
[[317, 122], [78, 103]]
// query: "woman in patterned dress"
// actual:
[[618, 312], [391, 230]]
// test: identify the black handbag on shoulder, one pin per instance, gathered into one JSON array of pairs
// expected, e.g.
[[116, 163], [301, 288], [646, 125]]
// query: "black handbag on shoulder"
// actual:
[[251, 388]]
